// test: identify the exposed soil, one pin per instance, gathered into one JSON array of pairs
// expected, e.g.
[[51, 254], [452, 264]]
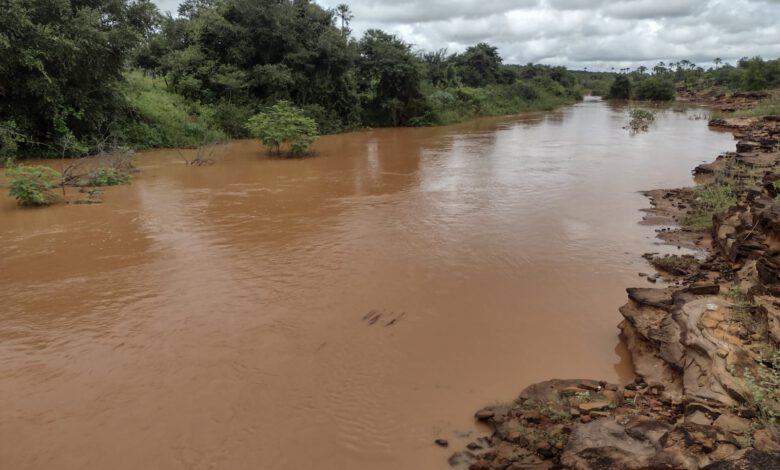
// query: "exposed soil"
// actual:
[[693, 344], [722, 100]]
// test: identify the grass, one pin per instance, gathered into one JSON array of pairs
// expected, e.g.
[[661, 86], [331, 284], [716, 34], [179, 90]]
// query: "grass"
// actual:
[[459, 104], [709, 200], [165, 119], [762, 389], [767, 107], [678, 265]]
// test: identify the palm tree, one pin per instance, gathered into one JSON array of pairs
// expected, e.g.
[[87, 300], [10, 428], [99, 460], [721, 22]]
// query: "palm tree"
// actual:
[[345, 14], [718, 62]]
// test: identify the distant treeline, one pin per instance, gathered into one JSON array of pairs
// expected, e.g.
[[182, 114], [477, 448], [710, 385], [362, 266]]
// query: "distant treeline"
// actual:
[[660, 82], [76, 73]]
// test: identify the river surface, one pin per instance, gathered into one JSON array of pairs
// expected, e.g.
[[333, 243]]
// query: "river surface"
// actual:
[[337, 312]]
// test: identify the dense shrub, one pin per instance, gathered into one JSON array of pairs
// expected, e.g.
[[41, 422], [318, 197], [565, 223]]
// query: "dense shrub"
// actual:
[[654, 89], [32, 185], [620, 89]]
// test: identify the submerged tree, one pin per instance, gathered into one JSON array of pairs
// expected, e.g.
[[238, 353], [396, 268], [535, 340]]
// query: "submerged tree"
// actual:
[[284, 124]]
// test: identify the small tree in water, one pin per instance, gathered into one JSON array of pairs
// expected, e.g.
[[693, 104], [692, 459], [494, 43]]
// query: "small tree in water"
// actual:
[[32, 185], [284, 124], [640, 119]]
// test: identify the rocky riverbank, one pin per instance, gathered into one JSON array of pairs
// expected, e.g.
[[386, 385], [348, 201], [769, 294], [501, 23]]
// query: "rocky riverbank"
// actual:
[[706, 348]]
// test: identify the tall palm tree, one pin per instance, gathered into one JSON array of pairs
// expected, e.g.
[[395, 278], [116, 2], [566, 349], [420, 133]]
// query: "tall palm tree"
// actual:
[[345, 14]]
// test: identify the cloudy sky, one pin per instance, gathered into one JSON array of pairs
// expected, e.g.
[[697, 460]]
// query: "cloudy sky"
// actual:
[[597, 34]]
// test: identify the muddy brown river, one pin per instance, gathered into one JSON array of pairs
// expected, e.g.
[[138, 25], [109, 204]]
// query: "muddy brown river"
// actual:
[[337, 312]]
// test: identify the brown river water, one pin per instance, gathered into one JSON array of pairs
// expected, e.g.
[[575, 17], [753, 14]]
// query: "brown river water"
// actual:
[[225, 317]]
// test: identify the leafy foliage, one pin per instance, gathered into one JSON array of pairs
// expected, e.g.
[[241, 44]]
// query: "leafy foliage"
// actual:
[[654, 89], [283, 124], [62, 61], [640, 119], [621, 88], [32, 185], [389, 80], [106, 176], [165, 119]]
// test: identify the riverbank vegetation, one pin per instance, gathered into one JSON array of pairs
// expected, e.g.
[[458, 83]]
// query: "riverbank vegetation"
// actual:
[[661, 82], [75, 71]]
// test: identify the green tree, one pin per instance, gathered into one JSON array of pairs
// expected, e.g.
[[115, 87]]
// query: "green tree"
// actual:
[[620, 89], [654, 89], [345, 15], [284, 124], [64, 59], [389, 79], [479, 65], [256, 52], [32, 185]]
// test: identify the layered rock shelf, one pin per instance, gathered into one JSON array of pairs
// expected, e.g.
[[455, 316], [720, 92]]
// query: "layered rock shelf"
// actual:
[[705, 392]]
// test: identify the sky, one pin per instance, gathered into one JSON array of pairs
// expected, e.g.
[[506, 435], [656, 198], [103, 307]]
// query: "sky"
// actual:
[[579, 34]]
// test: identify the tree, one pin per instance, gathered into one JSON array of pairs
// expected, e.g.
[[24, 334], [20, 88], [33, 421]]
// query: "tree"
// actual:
[[345, 15], [284, 124], [479, 65], [655, 89], [389, 79], [32, 185], [620, 89], [64, 60]]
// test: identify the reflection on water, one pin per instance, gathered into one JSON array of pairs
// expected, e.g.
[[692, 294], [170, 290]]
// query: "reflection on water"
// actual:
[[213, 317]]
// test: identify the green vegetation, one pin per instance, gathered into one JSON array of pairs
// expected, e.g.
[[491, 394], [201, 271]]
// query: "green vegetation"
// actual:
[[83, 71], [642, 87], [749, 74], [762, 387], [620, 89], [594, 83], [106, 176], [767, 107], [32, 185], [654, 89], [62, 64], [640, 119], [164, 119], [284, 124], [677, 265], [710, 200]]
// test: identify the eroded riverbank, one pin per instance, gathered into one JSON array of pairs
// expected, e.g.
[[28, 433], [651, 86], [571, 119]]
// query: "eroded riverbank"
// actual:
[[219, 316], [706, 350]]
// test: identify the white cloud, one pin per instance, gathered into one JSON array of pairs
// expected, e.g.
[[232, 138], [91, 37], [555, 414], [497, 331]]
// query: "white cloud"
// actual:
[[598, 34]]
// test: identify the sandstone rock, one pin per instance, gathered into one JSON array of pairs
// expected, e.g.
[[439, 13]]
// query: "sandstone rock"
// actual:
[[441, 442], [484, 414], [593, 406], [704, 289], [732, 424], [698, 417], [749, 459], [763, 440], [605, 444]]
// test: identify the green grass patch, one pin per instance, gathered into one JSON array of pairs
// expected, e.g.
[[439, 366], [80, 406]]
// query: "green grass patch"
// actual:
[[709, 200], [767, 107], [164, 119], [458, 104]]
